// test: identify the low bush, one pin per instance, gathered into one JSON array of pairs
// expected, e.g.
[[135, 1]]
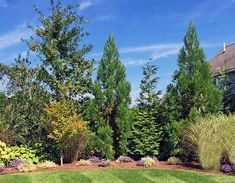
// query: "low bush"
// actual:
[[26, 167], [83, 162], [8, 154], [94, 159], [16, 163], [124, 159], [46, 164], [227, 168], [104, 163], [147, 162], [212, 139], [174, 161]]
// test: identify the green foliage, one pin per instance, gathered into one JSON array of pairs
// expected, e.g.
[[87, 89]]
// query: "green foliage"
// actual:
[[225, 84], [193, 92], [146, 135], [22, 106], [148, 99], [101, 143], [58, 42], [174, 161], [212, 139], [111, 99], [46, 164], [147, 129], [25, 153]]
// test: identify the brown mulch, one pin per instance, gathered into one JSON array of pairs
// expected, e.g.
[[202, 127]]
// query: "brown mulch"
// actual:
[[114, 165]]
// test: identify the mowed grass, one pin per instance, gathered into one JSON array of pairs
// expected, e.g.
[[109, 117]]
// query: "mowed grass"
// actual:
[[117, 176]]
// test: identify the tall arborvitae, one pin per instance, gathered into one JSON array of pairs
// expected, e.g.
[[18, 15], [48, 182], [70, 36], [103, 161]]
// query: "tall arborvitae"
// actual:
[[192, 93], [112, 98], [146, 130]]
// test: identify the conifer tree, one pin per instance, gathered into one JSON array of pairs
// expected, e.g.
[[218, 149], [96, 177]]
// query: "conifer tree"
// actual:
[[112, 98], [146, 130], [193, 88], [192, 93]]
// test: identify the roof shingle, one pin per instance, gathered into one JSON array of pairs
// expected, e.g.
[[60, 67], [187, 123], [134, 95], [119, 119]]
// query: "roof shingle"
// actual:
[[224, 60]]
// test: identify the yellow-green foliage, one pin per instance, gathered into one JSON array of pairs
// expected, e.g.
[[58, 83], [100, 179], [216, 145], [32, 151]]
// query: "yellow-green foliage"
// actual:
[[148, 162], [46, 164], [212, 138], [83, 162], [174, 161], [8, 154], [27, 167]]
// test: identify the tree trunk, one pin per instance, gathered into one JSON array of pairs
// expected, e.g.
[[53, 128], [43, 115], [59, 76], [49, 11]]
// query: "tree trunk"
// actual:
[[61, 158]]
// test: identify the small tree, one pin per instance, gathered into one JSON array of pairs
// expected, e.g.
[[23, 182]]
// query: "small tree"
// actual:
[[146, 129], [67, 128]]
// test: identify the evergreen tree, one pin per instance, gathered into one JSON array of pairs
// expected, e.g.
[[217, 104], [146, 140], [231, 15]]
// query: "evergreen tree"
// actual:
[[193, 88], [192, 93], [146, 130], [112, 97]]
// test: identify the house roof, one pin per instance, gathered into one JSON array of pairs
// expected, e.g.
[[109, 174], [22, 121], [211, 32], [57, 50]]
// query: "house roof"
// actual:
[[224, 60]]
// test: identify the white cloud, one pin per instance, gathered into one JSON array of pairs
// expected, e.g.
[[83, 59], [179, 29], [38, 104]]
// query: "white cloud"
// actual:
[[14, 37], [104, 17], [150, 48], [3, 3], [155, 51], [85, 5]]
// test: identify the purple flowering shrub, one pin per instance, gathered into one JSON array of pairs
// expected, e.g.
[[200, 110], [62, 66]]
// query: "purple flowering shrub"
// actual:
[[17, 162], [104, 163], [94, 159], [140, 163], [124, 159], [226, 168]]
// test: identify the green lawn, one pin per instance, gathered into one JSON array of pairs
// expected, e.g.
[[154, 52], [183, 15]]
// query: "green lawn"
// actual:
[[117, 176]]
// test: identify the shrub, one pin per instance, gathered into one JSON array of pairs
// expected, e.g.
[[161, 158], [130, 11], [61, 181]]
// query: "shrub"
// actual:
[[174, 161], [147, 162], [8, 154], [104, 163], [46, 164], [16, 163], [124, 159], [211, 138], [83, 162], [226, 168], [94, 159], [26, 167]]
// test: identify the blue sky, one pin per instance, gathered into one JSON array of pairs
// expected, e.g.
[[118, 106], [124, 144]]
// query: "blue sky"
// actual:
[[143, 29]]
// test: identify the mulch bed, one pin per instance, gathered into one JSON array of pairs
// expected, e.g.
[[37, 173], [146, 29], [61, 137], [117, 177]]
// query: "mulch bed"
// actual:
[[114, 165]]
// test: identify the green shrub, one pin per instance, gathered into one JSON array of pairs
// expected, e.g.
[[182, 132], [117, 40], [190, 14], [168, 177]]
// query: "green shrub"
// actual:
[[174, 161], [27, 168], [83, 162], [46, 164], [8, 154], [212, 139]]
